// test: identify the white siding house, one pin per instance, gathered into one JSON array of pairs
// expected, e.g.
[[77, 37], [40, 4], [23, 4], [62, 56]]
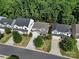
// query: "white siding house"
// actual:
[[61, 29], [23, 25], [5, 23]]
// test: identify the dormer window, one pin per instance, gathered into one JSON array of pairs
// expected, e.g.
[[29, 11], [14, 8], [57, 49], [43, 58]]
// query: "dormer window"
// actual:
[[24, 27], [15, 26]]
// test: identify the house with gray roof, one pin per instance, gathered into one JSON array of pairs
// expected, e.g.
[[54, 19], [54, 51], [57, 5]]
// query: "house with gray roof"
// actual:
[[61, 29], [23, 25], [41, 27], [75, 30], [5, 23], [1, 17]]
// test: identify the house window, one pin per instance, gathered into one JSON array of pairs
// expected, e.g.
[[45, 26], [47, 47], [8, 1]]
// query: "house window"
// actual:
[[15, 26], [25, 28]]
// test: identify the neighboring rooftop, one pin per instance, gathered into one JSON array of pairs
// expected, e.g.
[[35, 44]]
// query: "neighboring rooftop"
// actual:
[[43, 26], [77, 28], [22, 22], [61, 27], [6, 21], [1, 17]]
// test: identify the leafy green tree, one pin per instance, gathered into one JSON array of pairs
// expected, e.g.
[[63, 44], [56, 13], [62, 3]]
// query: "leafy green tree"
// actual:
[[67, 44], [76, 13], [13, 57], [7, 30], [1, 36], [40, 10], [38, 42], [30, 35], [17, 37]]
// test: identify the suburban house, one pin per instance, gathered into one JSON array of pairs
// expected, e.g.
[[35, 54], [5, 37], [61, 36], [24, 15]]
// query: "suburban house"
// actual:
[[61, 30], [5, 23], [41, 27], [23, 25], [75, 30], [1, 17]]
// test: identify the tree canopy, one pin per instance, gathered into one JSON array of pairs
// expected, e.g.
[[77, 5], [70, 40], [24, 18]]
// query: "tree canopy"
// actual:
[[59, 11], [67, 44]]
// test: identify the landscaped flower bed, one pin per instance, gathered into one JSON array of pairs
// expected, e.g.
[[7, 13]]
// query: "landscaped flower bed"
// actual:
[[24, 42], [68, 48], [45, 44]]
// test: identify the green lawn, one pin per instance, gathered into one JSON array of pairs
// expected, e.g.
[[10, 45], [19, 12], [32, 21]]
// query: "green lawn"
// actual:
[[5, 38], [46, 46], [24, 42], [74, 53]]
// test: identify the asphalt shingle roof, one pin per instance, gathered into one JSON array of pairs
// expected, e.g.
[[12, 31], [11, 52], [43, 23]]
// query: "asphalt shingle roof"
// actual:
[[22, 22], [43, 26], [61, 27], [5, 21]]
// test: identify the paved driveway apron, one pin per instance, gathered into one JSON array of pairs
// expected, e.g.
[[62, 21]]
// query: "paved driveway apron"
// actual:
[[55, 46]]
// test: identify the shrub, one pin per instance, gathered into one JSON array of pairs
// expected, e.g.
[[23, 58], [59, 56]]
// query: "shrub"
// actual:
[[7, 30], [49, 36], [1, 36], [38, 42], [67, 44], [30, 35], [13, 57], [17, 37]]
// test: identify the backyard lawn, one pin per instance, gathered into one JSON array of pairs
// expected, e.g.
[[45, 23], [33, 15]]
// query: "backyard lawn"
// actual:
[[5, 38], [24, 42]]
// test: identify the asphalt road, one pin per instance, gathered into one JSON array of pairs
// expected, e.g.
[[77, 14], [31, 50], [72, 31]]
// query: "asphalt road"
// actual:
[[25, 53]]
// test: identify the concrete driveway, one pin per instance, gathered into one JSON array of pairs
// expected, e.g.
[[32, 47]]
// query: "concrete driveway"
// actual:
[[55, 46], [30, 44]]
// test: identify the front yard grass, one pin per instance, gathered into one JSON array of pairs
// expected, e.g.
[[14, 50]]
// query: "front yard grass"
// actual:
[[74, 53], [5, 38], [46, 46], [24, 42]]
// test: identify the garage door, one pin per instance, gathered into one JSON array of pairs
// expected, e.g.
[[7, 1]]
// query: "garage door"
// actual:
[[56, 37]]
